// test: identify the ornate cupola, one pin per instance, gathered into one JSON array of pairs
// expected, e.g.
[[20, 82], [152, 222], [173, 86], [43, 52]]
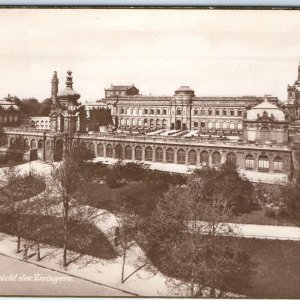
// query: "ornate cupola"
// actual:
[[68, 96]]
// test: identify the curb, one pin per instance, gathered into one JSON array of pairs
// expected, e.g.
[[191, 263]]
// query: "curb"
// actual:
[[71, 275]]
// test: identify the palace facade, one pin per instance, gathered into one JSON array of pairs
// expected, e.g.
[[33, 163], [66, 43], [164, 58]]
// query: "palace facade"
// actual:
[[251, 132]]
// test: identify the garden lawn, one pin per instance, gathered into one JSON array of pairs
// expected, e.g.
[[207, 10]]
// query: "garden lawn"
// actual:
[[83, 238]]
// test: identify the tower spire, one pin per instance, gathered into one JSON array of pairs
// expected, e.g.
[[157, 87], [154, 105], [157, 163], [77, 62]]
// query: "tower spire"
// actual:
[[69, 80], [54, 89]]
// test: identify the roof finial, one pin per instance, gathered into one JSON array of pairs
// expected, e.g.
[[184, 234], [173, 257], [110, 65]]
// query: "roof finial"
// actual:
[[69, 80]]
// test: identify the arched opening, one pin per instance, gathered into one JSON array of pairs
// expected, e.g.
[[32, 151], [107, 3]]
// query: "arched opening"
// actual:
[[249, 162], [128, 152], [164, 123], [216, 159], [119, 152], [170, 155], [178, 125], [265, 134], [92, 148], [231, 158], [181, 156], [263, 163], [192, 157], [159, 154], [158, 123], [278, 164], [138, 153], [40, 144], [151, 123], [26, 144], [33, 144], [145, 122], [148, 153], [59, 150], [204, 158], [109, 150], [100, 150]]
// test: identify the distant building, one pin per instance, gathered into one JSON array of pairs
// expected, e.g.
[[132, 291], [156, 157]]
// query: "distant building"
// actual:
[[121, 90], [10, 114], [42, 123]]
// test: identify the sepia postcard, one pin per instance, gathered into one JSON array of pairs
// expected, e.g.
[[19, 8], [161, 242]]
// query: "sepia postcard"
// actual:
[[150, 152]]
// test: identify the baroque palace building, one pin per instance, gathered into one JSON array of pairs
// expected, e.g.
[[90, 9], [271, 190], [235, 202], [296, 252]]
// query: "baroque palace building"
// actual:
[[251, 132]]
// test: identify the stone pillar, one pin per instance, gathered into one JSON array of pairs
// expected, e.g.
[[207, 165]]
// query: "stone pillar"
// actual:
[[153, 154], [104, 149], [133, 152], [164, 154], [210, 158], [198, 158], [175, 155], [187, 156], [223, 156], [255, 155], [271, 162], [143, 153]]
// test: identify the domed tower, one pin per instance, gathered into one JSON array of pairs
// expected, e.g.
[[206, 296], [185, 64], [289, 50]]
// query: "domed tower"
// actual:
[[68, 115]]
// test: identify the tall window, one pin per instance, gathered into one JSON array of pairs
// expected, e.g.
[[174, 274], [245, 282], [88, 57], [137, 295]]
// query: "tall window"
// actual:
[[196, 111], [100, 150], [128, 152], [224, 112], [249, 162], [158, 111], [232, 112], [216, 159], [109, 150], [178, 112], [231, 158], [278, 164], [159, 154], [192, 157], [239, 113], [164, 111], [209, 112], [152, 111], [40, 144], [181, 156], [217, 112], [204, 157], [146, 111], [148, 153], [170, 155], [138, 153], [164, 123], [265, 134], [263, 163], [119, 152], [202, 112]]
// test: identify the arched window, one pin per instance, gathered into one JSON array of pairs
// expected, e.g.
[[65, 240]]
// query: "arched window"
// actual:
[[134, 111], [128, 152], [119, 152], [231, 126], [33, 144], [140, 111], [151, 123], [159, 154], [138, 152], [170, 155], [26, 144], [210, 124], [225, 125], [134, 122], [231, 158], [216, 158], [265, 134], [40, 144], [202, 112], [181, 156], [158, 123], [196, 112], [109, 150], [140, 122], [164, 123], [204, 157], [92, 148], [123, 122], [278, 164], [148, 153], [128, 122], [145, 122], [240, 126], [178, 112], [192, 157], [249, 162], [263, 163], [128, 111], [100, 150]]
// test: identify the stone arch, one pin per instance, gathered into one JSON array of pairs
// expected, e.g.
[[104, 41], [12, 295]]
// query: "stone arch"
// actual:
[[216, 159], [204, 157], [119, 152], [192, 157], [249, 162], [33, 144], [263, 163], [231, 158], [170, 155], [278, 164], [181, 156], [159, 154], [100, 150], [138, 153], [40, 144], [148, 153], [109, 150], [128, 152]]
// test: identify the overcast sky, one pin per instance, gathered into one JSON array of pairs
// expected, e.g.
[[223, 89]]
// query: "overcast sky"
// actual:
[[224, 53]]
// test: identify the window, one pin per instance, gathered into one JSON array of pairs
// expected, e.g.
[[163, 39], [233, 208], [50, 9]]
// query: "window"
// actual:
[[140, 111], [192, 157], [202, 112], [202, 124], [181, 156], [148, 154], [40, 144], [164, 123], [151, 123], [231, 158], [152, 111], [128, 152], [231, 125], [109, 150], [196, 112], [138, 153], [249, 162], [158, 123], [210, 124], [216, 159], [146, 111], [122, 110], [164, 111], [128, 111], [217, 112], [239, 113], [92, 148], [217, 125], [278, 164], [240, 126], [265, 134], [118, 152], [195, 124], [178, 111], [158, 111], [100, 150], [224, 112], [204, 157], [263, 163], [159, 154], [232, 112], [33, 144], [170, 155], [210, 112], [225, 125], [145, 122]]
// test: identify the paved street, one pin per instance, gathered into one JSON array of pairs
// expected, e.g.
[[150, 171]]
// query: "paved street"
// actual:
[[20, 278]]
